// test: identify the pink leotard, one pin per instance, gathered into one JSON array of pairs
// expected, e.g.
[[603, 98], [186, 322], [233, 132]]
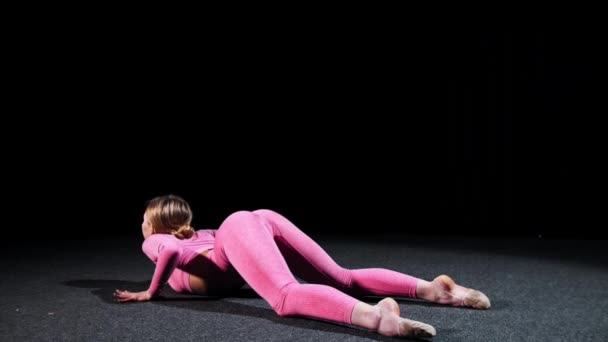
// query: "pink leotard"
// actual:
[[266, 250]]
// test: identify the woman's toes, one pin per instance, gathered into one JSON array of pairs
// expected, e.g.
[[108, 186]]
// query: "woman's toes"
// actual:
[[411, 328], [477, 300], [448, 292]]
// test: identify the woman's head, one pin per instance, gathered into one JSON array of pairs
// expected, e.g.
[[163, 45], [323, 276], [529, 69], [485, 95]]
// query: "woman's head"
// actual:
[[168, 214]]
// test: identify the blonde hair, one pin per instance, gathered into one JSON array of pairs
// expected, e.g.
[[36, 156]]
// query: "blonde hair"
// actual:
[[170, 214]]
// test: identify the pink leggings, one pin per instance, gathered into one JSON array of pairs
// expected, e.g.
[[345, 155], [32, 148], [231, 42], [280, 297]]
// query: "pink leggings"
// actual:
[[264, 248]]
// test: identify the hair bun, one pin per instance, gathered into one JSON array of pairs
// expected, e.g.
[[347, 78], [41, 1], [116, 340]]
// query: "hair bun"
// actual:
[[183, 232]]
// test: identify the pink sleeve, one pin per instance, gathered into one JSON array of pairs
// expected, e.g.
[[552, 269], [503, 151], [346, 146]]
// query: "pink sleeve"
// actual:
[[165, 253]]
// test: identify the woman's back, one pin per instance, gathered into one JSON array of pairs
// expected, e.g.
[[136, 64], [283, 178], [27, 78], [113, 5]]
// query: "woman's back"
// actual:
[[187, 249]]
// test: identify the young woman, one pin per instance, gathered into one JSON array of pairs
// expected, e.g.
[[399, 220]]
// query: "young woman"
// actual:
[[262, 248]]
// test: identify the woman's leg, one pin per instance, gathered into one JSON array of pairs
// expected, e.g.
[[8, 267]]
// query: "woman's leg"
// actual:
[[311, 263], [245, 241]]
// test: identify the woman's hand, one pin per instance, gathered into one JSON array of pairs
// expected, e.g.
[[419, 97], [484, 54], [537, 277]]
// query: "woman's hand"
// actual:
[[126, 296]]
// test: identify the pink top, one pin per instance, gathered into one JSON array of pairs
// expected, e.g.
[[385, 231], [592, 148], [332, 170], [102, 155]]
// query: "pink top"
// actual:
[[169, 252]]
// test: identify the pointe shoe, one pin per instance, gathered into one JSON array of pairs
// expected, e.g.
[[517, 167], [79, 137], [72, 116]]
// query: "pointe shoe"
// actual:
[[390, 305], [460, 296]]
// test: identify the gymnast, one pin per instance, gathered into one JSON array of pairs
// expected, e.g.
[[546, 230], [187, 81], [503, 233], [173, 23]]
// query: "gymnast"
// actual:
[[261, 248]]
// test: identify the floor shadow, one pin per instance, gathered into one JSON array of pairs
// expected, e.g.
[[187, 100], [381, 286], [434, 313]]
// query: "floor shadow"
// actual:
[[104, 288]]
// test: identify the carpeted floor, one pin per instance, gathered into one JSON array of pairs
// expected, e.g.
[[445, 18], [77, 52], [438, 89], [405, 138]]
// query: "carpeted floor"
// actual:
[[541, 290]]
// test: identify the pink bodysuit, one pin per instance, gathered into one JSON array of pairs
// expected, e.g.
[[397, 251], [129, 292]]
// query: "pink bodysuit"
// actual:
[[176, 256], [263, 248]]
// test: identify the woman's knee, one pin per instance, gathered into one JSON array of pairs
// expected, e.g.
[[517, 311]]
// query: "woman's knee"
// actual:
[[335, 276], [283, 305]]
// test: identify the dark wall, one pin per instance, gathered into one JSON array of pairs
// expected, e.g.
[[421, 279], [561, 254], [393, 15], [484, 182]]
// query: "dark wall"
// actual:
[[443, 132]]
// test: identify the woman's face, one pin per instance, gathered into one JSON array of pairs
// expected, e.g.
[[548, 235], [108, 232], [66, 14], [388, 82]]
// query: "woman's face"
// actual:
[[146, 227]]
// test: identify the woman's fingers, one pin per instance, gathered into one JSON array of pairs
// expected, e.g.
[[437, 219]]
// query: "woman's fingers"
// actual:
[[122, 296]]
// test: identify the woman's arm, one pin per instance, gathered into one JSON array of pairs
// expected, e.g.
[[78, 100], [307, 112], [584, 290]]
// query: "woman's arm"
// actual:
[[168, 253]]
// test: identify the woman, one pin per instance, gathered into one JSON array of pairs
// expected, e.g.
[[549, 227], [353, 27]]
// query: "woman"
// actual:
[[257, 247]]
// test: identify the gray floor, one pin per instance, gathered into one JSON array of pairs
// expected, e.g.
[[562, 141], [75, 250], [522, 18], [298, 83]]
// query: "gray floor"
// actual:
[[541, 290]]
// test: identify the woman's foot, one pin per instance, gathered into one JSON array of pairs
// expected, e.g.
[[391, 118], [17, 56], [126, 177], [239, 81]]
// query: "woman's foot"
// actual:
[[444, 290], [390, 305], [384, 319], [410, 328]]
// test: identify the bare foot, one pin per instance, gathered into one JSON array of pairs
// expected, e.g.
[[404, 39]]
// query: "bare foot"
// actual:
[[445, 291]]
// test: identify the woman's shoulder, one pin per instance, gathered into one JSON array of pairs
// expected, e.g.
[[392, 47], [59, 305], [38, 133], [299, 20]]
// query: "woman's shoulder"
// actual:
[[159, 237], [156, 239], [155, 242]]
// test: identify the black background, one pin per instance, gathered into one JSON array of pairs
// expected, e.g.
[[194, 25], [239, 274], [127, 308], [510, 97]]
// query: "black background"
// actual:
[[449, 132]]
